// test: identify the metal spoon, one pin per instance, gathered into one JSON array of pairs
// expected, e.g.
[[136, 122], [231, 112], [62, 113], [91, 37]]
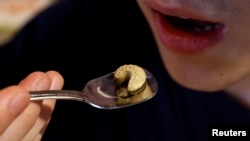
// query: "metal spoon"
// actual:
[[99, 93]]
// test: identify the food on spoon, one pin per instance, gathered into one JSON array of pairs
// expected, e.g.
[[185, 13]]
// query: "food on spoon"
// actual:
[[131, 84]]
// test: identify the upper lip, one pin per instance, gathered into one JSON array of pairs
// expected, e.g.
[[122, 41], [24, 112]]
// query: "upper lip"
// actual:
[[178, 10]]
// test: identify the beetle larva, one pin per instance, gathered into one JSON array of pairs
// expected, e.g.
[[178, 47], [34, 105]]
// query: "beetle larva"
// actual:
[[131, 84]]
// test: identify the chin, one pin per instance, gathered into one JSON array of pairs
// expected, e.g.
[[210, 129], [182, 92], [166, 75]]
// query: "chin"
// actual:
[[201, 86], [201, 80]]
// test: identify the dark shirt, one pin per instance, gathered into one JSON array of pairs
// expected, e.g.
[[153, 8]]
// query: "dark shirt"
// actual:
[[85, 39]]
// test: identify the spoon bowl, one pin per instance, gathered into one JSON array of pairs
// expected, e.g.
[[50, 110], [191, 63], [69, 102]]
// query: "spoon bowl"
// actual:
[[100, 93]]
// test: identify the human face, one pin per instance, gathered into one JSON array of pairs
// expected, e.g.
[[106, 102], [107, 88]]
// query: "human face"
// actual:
[[204, 44]]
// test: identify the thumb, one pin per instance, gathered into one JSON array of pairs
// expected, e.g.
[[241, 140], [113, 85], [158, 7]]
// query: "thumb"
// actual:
[[13, 100]]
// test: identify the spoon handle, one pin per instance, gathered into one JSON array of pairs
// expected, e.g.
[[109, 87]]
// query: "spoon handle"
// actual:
[[57, 94]]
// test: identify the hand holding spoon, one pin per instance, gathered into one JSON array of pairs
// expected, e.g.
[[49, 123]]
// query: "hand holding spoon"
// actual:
[[128, 86]]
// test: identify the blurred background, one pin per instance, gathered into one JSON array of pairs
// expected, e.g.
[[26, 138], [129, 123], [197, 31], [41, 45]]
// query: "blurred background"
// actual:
[[14, 14]]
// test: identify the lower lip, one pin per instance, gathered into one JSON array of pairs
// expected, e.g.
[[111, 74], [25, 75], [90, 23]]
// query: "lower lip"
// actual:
[[181, 41]]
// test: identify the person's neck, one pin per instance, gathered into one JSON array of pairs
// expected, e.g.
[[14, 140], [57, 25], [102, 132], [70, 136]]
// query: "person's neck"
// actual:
[[241, 91]]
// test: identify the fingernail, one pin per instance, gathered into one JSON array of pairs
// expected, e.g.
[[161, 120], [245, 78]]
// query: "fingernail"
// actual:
[[18, 103]]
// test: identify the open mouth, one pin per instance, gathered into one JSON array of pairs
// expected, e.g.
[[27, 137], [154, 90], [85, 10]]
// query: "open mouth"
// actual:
[[192, 25], [187, 35]]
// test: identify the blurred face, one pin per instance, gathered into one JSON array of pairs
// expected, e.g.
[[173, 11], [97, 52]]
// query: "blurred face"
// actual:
[[205, 44]]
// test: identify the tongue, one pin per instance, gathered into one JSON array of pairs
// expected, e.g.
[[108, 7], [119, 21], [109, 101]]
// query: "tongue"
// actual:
[[191, 25]]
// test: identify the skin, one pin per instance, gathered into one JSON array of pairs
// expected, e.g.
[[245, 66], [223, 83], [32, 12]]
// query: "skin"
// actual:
[[19, 116], [223, 67]]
